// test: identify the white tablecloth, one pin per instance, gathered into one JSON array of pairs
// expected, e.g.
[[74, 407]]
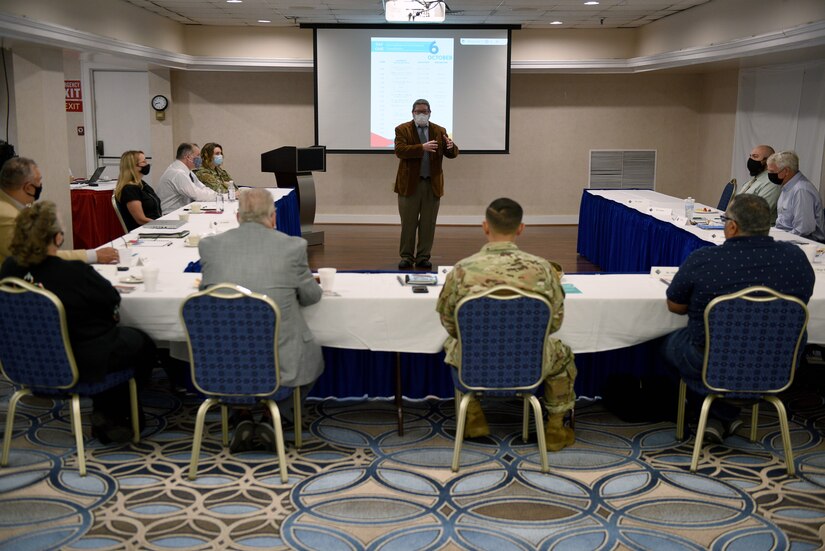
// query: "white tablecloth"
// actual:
[[375, 312]]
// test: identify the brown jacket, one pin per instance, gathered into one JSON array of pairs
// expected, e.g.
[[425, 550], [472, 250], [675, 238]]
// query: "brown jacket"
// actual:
[[408, 148]]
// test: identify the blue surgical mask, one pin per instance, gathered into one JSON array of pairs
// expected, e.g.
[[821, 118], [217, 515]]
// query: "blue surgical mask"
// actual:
[[218, 160], [197, 161]]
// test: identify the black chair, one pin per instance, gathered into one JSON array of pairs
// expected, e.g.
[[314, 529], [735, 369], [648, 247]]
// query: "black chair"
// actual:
[[232, 335], [46, 366], [501, 335], [727, 193], [752, 342]]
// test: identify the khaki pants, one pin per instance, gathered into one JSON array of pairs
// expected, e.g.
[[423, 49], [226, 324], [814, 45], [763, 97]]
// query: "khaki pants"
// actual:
[[418, 214]]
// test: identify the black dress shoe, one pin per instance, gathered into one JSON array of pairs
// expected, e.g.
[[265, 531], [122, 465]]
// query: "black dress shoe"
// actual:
[[424, 264], [405, 264]]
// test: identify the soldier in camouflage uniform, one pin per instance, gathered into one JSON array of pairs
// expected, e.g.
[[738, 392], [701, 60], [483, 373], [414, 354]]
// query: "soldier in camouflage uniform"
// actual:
[[500, 262], [211, 173]]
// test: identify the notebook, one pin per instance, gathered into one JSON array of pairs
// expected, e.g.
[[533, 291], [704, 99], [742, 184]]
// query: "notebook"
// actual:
[[164, 224]]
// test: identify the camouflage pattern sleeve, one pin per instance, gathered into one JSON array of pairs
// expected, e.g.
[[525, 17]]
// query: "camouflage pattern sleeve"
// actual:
[[447, 301], [210, 179]]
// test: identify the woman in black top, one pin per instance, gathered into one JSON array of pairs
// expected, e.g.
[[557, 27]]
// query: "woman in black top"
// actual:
[[99, 345], [137, 201]]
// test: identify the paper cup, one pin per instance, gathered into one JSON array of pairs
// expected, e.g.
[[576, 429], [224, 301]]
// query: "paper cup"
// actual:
[[124, 257], [195, 207], [184, 216], [193, 240], [327, 276], [150, 278]]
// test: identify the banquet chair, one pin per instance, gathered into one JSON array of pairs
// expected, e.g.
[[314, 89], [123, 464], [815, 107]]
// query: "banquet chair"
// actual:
[[727, 193], [232, 335], [119, 216], [36, 356], [752, 343], [501, 334]]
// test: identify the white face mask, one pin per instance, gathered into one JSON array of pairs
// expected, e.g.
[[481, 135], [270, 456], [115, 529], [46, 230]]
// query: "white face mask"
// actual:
[[421, 119]]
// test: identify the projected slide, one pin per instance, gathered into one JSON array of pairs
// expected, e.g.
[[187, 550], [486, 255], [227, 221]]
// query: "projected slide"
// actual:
[[403, 70]]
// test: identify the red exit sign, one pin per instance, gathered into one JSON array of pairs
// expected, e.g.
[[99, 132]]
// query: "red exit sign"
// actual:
[[74, 97]]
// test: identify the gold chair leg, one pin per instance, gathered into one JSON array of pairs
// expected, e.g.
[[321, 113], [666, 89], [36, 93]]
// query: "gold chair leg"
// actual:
[[77, 428], [224, 425], [133, 403], [525, 417], [786, 432], [460, 421], [537, 411], [198, 439], [700, 431], [297, 417], [10, 423], [680, 411], [279, 437], [754, 421]]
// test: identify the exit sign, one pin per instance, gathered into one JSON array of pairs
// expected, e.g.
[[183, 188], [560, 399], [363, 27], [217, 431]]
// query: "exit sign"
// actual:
[[74, 97]]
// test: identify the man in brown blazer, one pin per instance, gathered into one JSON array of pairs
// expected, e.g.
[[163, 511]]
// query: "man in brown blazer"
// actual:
[[420, 145]]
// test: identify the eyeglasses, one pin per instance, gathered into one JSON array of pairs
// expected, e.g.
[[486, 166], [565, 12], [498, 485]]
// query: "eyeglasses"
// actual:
[[726, 219]]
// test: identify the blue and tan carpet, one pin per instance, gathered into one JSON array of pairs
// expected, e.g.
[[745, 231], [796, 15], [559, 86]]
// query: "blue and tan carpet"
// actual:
[[356, 484]]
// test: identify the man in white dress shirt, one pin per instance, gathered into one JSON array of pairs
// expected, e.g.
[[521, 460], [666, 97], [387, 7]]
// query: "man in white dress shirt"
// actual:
[[178, 186]]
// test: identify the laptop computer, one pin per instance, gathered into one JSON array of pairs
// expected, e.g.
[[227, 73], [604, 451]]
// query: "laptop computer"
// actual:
[[163, 224], [94, 177]]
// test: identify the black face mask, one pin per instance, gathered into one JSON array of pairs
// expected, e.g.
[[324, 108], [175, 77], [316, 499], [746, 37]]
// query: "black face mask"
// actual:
[[37, 192], [145, 169], [755, 167], [774, 178]]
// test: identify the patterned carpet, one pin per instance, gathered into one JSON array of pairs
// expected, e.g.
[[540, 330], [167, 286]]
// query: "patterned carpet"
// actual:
[[356, 484]]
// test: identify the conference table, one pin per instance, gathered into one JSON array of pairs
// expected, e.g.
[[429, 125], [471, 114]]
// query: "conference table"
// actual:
[[633, 230], [94, 221], [613, 313]]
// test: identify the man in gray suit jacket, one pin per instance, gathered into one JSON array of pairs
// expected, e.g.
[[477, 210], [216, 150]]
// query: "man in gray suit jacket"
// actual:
[[269, 262]]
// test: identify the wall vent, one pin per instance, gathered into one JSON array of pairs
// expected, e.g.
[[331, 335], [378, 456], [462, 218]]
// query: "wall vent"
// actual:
[[622, 169]]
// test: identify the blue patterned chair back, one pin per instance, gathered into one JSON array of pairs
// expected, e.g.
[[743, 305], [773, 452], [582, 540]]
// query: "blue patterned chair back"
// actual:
[[752, 341], [501, 333], [727, 193], [232, 335], [34, 339]]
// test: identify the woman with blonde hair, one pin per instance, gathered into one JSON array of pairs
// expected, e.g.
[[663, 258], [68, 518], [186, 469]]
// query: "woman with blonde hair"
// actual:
[[211, 173], [136, 200], [91, 304]]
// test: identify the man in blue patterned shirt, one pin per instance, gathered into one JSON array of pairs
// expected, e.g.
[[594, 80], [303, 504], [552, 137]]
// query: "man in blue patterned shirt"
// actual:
[[748, 257]]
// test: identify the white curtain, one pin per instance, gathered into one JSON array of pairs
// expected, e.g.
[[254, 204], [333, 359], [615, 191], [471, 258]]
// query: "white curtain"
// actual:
[[784, 107]]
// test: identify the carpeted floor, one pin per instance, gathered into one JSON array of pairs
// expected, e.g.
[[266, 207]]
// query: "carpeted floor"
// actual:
[[356, 484]]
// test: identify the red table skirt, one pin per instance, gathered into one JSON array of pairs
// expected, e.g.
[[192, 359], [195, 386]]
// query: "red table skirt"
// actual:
[[93, 219]]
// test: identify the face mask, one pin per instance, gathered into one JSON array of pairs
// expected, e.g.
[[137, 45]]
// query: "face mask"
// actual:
[[197, 161], [421, 119], [218, 160], [145, 169], [774, 178], [755, 167], [37, 192]]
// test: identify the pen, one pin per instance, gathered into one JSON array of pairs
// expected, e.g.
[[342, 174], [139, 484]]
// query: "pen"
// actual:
[[400, 281]]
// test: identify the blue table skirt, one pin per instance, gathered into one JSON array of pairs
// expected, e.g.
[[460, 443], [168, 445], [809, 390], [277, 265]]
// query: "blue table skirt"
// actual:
[[361, 372], [288, 219], [620, 239]]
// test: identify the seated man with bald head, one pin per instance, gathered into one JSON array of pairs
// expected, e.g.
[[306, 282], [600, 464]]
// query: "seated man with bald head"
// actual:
[[264, 260], [20, 186]]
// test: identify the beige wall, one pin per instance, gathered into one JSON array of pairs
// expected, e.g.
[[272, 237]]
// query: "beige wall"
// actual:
[[555, 121], [76, 144], [41, 119], [111, 18], [721, 21]]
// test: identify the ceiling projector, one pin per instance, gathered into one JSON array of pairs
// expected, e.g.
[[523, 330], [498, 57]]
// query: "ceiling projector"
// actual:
[[415, 11]]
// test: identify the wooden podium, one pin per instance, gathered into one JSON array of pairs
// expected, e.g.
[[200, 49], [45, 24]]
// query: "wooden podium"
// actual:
[[293, 167]]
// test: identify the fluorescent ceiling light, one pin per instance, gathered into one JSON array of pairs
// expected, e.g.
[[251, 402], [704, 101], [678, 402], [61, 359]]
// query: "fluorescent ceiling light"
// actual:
[[415, 11], [557, 22], [591, 3], [264, 21]]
